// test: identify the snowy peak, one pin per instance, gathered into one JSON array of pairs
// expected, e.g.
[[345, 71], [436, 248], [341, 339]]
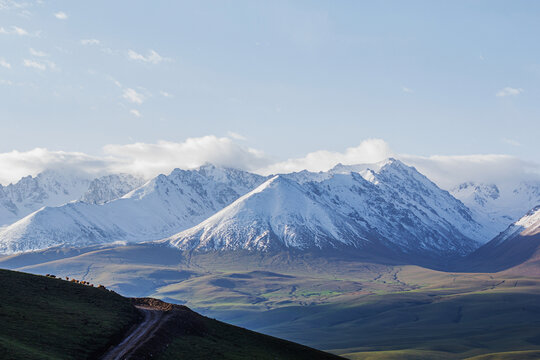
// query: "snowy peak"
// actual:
[[280, 213], [496, 206], [359, 168], [529, 224], [215, 186], [49, 188], [480, 194], [161, 207], [402, 209], [367, 171], [516, 246], [531, 221], [110, 187]]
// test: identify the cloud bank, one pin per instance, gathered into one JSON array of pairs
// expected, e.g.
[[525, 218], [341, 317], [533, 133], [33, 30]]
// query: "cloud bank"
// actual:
[[17, 164], [162, 157], [148, 160], [369, 151]]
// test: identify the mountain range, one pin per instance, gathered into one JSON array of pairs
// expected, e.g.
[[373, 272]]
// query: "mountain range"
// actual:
[[57, 187], [393, 209], [385, 208], [157, 209]]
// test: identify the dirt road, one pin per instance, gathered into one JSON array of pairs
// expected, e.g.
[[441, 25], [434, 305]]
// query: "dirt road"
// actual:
[[152, 321]]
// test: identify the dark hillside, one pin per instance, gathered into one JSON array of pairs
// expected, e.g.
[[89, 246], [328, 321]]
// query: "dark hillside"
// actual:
[[46, 318], [188, 335]]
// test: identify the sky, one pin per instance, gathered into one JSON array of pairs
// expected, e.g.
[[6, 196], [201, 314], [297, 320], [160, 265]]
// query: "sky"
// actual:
[[267, 85]]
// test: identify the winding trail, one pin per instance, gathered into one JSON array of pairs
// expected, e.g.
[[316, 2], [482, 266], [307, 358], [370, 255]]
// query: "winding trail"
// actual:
[[152, 320]]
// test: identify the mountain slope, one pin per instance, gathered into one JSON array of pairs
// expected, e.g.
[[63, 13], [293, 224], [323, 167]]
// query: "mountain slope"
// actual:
[[110, 187], [394, 207], [277, 214], [498, 206], [55, 188], [160, 208], [49, 188], [518, 244], [45, 318], [188, 335]]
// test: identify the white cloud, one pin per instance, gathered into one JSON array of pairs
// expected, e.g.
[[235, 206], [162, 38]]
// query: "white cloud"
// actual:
[[90, 42], [369, 151], [10, 4], [19, 31], [235, 135], [166, 94], [4, 63], [61, 15], [43, 65], [37, 53], [509, 91], [135, 112], [407, 90], [139, 158], [446, 171], [133, 96], [16, 164], [153, 57], [34, 64], [162, 157], [449, 171], [15, 30]]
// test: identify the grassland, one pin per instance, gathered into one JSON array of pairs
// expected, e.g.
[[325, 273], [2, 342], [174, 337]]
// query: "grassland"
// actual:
[[352, 308]]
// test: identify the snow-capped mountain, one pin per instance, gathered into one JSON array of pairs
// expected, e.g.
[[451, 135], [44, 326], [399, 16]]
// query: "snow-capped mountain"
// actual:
[[526, 226], [110, 187], [497, 206], [56, 187], [388, 204], [159, 208], [280, 212], [515, 245], [49, 188]]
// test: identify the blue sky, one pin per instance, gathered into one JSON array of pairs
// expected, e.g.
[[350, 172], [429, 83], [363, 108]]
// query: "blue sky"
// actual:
[[284, 77]]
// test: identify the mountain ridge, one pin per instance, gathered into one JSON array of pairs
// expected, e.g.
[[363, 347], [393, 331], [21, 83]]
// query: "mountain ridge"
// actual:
[[516, 246], [341, 209], [159, 208]]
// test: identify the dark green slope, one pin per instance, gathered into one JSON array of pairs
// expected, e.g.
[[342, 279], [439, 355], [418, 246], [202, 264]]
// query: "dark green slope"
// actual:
[[187, 335], [45, 318]]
